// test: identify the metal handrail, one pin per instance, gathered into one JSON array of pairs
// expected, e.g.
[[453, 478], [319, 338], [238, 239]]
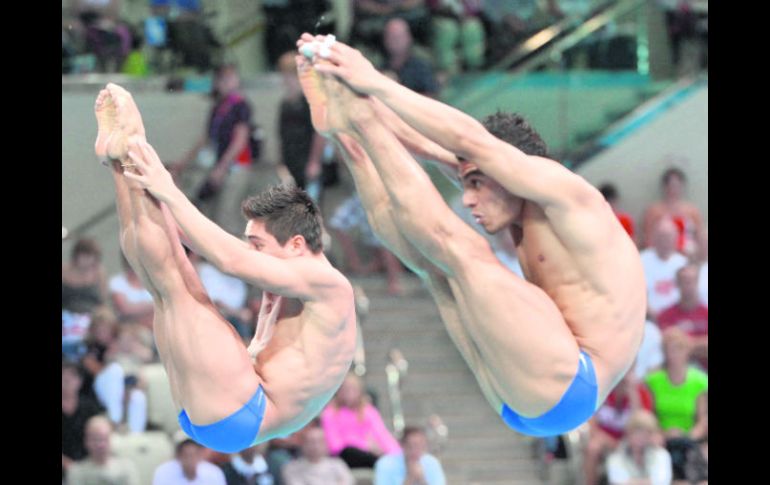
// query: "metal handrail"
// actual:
[[551, 41], [395, 371]]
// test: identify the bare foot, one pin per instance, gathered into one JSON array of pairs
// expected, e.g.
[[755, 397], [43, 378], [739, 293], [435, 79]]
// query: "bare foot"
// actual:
[[333, 105], [345, 107], [314, 91], [118, 119]]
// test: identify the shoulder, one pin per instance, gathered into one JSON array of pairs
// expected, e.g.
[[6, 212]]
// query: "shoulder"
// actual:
[[388, 461], [655, 209], [166, 469], [652, 330], [117, 281], [371, 411], [697, 376], [294, 465], [428, 459], [679, 259], [654, 378], [210, 469]]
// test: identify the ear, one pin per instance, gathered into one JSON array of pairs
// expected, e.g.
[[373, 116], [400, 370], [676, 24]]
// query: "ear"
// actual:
[[297, 244]]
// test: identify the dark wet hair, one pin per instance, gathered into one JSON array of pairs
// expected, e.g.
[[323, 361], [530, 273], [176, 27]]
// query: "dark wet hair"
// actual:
[[514, 129], [287, 211], [410, 430]]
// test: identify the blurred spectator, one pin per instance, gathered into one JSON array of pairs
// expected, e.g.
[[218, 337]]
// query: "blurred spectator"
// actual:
[[315, 466], [130, 299], [677, 389], [281, 451], [187, 33], [301, 147], [609, 422], [76, 410], [100, 467], [702, 258], [83, 280], [661, 261], [135, 64], [349, 216], [511, 21], [115, 390], [696, 467], [610, 194], [372, 15], [411, 71], [74, 328], [575, 9], [638, 459], [687, 26], [248, 467], [650, 355], [228, 150], [456, 26], [106, 36], [689, 314], [684, 213], [412, 466], [227, 293], [286, 20], [354, 428], [188, 468], [133, 348]]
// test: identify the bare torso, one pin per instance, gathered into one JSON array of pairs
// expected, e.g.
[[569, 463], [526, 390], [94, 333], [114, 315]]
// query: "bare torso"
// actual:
[[307, 356], [520, 349]]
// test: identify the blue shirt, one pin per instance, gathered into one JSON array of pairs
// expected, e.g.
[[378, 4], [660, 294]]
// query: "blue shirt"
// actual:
[[391, 470]]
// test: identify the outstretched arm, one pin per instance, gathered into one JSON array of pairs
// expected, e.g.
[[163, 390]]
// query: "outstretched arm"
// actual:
[[295, 278], [534, 178]]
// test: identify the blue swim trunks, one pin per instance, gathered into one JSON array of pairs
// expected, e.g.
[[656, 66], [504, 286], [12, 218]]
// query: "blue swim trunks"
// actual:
[[233, 433], [574, 408]]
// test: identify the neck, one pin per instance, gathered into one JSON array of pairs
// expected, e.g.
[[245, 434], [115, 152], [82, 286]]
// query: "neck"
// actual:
[[314, 460], [664, 255], [189, 474], [398, 60], [677, 373], [100, 459], [688, 303]]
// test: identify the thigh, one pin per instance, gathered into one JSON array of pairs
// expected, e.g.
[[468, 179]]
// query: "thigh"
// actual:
[[213, 372], [520, 333]]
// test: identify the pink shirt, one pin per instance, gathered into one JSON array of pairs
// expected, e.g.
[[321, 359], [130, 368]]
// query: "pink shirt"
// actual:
[[343, 428]]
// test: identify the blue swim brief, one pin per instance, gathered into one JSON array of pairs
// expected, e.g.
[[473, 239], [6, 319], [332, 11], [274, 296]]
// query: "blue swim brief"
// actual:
[[574, 408], [233, 433]]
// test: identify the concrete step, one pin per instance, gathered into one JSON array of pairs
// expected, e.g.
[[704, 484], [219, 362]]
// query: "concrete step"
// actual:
[[480, 448]]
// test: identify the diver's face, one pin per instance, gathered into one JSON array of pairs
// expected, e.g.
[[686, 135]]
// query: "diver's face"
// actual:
[[492, 207], [263, 241]]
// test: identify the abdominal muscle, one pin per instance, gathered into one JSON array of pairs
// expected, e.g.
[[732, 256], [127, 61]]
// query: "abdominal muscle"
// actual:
[[301, 368]]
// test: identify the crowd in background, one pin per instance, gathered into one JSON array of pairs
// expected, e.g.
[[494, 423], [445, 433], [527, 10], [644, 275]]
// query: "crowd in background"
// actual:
[[654, 424], [453, 35]]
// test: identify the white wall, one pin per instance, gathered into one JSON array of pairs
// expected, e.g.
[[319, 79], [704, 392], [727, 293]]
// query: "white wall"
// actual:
[[637, 162]]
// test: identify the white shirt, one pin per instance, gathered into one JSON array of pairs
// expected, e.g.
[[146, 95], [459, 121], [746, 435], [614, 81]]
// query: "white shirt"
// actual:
[[703, 283], [222, 287], [170, 473], [621, 468], [660, 276], [650, 352], [119, 284]]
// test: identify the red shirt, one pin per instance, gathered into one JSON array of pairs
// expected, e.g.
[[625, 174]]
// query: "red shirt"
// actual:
[[613, 414], [627, 222], [694, 323]]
